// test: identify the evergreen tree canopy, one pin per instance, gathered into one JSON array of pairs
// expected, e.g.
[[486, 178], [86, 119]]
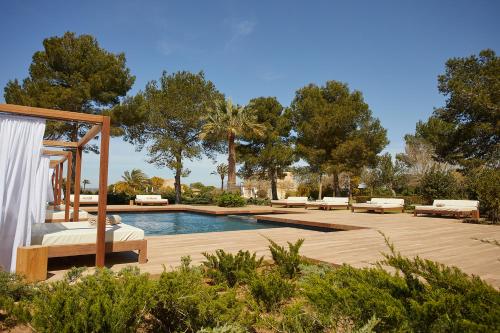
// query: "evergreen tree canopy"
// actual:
[[268, 155], [335, 128], [467, 129], [72, 73]]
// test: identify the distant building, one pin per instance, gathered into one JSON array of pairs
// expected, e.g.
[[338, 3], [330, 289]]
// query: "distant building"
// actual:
[[252, 187]]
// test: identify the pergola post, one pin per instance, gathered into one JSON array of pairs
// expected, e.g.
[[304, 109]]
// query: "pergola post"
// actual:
[[68, 186], [78, 175], [61, 172], [103, 190], [56, 187]]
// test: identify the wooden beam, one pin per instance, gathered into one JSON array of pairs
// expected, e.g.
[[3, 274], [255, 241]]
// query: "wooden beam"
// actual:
[[89, 135], [54, 143], [68, 187], [51, 114], [103, 191], [56, 188], [55, 152], [78, 175]]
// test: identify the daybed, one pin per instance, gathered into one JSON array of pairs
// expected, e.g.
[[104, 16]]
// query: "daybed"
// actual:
[[290, 202], [380, 205], [85, 199], [150, 200], [330, 202], [58, 215], [456, 208]]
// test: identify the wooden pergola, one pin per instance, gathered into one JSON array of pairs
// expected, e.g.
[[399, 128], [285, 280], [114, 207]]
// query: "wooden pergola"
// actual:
[[101, 124]]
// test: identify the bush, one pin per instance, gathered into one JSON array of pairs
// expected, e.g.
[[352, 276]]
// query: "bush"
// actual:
[[231, 200], [184, 303], [437, 184], [229, 268], [119, 198], [485, 187], [102, 302], [258, 202], [288, 261], [270, 289], [14, 294]]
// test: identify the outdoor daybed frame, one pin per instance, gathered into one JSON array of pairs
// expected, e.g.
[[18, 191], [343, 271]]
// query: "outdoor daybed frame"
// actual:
[[31, 260]]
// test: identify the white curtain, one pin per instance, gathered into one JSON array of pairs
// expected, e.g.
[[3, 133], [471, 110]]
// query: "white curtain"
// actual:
[[20, 146], [41, 185], [50, 189]]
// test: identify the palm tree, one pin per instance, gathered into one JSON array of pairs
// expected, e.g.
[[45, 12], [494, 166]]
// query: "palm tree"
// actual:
[[135, 179], [85, 182], [222, 172], [231, 121]]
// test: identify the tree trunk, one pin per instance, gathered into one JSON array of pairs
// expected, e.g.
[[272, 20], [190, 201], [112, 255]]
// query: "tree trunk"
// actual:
[[177, 184], [222, 183], [320, 187], [231, 163], [336, 187], [274, 184]]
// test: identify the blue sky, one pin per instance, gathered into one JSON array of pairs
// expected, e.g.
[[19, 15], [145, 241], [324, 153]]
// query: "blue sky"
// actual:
[[392, 51]]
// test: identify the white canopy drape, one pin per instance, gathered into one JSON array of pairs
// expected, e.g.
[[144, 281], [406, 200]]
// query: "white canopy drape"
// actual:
[[21, 143], [50, 189], [41, 188]]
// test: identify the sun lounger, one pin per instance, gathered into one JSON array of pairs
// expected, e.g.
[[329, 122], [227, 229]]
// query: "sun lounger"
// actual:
[[290, 202], [150, 200], [380, 205], [456, 208], [58, 215], [85, 199], [330, 202]]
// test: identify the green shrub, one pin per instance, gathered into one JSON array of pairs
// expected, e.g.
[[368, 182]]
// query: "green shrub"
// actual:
[[228, 328], [229, 268], [438, 184], [119, 198], [184, 303], [485, 187], [258, 202], [102, 302], [231, 200], [270, 289], [288, 261], [15, 294]]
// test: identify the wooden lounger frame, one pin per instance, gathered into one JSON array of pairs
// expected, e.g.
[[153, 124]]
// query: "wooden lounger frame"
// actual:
[[150, 202], [457, 214], [100, 124], [289, 204], [322, 205], [381, 210]]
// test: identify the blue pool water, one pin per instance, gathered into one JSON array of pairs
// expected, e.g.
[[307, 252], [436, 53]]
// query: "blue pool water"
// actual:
[[189, 223]]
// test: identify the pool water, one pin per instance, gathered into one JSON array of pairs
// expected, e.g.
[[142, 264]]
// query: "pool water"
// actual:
[[175, 223]]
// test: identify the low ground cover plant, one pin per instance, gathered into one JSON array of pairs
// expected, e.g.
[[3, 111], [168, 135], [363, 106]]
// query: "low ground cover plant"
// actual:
[[421, 296]]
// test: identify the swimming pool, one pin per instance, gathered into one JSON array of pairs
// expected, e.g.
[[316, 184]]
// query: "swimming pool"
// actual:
[[155, 224]]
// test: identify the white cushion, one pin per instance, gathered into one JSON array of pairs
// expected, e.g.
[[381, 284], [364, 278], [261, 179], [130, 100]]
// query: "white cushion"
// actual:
[[456, 203], [336, 200], [392, 201], [148, 197], [85, 198], [296, 199], [60, 214]]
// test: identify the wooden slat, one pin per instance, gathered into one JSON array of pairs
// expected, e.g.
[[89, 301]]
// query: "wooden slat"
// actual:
[[51, 114], [103, 190], [55, 152], [78, 176], [90, 248], [68, 186], [54, 143], [89, 135]]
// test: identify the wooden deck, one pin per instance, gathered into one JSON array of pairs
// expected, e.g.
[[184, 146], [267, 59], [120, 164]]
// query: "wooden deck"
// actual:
[[360, 244]]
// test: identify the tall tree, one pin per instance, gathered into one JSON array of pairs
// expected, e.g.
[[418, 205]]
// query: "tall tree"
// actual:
[[230, 122], [466, 130], [267, 155], [72, 73], [335, 129], [221, 170], [167, 119]]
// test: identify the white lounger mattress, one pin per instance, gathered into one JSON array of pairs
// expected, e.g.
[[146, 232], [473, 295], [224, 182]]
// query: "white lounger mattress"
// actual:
[[66, 233], [60, 214]]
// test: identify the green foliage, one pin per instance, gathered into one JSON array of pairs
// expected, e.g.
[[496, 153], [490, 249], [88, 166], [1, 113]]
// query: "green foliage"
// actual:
[[102, 302], [119, 198], [465, 131], [335, 129], [228, 328], [14, 294], [229, 268], [258, 202], [438, 184], [485, 186], [184, 303], [288, 261], [167, 118], [270, 289], [231, 200], [269, 154], [72, 73]]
